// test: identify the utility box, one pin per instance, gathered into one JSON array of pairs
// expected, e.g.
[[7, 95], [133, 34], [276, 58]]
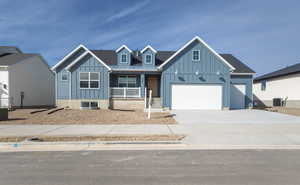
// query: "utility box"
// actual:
[[277, 102], [3, 114]]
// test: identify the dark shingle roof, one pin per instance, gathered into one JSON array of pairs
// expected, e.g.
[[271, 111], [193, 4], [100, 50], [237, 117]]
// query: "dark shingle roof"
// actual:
[[110, 58], [9, 49], [281, 72], [14, 58], [239, 66]]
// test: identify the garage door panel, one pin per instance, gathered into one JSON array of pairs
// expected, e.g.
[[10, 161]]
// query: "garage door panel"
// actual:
[[197, 97]]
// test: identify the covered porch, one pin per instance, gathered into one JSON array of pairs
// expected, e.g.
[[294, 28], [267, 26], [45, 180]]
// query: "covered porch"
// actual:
[[134, 85]]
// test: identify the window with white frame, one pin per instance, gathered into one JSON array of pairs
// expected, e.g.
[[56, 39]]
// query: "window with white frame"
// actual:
[[89, 80], [64, 77], [124, 58], [148, 59], [196, 55], [127, 81], [89, 105]]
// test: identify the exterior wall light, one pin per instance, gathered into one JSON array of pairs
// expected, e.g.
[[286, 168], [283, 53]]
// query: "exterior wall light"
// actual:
[[176, 72]]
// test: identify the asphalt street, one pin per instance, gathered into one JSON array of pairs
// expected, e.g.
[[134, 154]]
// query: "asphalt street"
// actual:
[[151, 167]]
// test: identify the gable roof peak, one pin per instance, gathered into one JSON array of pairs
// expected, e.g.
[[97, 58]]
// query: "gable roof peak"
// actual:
[[206, 45], [123, 46], [148, 47]]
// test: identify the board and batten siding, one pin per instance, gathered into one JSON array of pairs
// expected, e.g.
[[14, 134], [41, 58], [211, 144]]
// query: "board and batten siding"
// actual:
[[90, 64], [208, 67], [62, 87], [246, 80]]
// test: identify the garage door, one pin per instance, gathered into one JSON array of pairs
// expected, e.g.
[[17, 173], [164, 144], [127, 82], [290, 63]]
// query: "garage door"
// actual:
[[197, 97], [237, 96]]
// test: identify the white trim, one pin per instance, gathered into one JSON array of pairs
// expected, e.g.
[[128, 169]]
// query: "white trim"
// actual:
[[103, 63], [199, 55], [151, 61], [148, 47], [187, 44], [127, 80], [77, 59], [123, 46], [89, 80], [67, 56], [121, 59], [72, 52], [242, 73], [120, 69]]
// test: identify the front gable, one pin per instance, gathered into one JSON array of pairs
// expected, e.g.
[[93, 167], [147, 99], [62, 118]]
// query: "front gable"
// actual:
[[209, 63]]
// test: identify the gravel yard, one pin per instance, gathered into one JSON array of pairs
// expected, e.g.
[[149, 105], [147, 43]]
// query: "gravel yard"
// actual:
[[23, 116]]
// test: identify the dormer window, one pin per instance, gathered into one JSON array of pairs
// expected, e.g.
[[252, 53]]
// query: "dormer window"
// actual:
[[196, 55], [124, 58], [148, 59]]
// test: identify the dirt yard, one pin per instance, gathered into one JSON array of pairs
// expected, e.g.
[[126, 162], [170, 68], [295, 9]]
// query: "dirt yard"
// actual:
[[285, 110], [24, 116]]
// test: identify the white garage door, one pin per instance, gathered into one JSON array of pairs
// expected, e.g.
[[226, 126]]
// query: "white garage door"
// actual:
[[237, 96], [197, 97]]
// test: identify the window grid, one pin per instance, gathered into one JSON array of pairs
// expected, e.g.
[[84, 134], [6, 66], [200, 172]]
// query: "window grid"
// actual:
[[86, 82], [196, 55]]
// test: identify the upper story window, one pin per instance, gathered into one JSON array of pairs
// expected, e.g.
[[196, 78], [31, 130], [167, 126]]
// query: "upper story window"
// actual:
[[124, 58], [89, 80], [64, 77], [196, 55], [148, 59], [263, 85]]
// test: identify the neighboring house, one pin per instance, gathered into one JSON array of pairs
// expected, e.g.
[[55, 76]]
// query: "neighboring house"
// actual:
[[25, 79], [283, 84], [193, 77]]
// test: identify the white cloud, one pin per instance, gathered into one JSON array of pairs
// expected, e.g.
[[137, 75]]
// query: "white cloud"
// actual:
[[127, 11]]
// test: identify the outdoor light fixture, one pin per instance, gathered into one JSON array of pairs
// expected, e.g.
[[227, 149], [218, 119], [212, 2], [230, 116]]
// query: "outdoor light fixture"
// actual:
[[197, 72], [176, 72], [218, 72]]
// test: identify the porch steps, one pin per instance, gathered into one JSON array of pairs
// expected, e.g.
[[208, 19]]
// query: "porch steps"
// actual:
[[155, 103]]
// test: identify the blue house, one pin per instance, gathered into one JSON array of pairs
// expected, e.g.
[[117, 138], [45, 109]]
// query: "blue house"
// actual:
[[193, 77]]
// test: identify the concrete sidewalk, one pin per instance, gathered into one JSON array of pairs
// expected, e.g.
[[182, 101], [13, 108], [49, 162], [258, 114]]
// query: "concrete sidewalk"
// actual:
[[82, 130]]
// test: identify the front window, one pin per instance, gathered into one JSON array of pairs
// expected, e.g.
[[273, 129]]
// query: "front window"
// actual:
[[89, 80], [127, 81], [148, 59], [124, 58], [263, 85], [196, 55]]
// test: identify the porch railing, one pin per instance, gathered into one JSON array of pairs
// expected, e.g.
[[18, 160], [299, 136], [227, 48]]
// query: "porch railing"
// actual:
[[125, 92]]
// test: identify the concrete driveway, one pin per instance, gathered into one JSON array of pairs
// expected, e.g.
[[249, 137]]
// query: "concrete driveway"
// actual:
[[238, 127], [233, 117]]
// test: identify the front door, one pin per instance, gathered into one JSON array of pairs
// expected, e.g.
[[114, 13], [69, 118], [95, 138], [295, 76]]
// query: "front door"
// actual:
[[153, 85]]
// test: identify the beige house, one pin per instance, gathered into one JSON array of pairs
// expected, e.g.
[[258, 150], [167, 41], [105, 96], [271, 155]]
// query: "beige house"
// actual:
[[283, 84]]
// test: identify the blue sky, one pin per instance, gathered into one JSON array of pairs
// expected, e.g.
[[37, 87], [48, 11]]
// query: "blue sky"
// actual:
[[263, 34]]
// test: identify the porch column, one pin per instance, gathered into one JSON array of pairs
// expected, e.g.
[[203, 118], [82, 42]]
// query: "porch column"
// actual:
[[142, 85]]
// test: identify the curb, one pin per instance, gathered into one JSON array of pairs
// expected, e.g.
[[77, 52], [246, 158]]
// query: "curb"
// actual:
[[159, 145]]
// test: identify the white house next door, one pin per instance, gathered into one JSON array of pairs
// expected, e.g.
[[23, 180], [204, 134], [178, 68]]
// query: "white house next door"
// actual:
[[197, 97]]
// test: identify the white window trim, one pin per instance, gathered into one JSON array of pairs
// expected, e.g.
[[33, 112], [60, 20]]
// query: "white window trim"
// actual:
[[61, 79], [150, 59], [121, 62], [199, 54], [89, 80], [127, 79]]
